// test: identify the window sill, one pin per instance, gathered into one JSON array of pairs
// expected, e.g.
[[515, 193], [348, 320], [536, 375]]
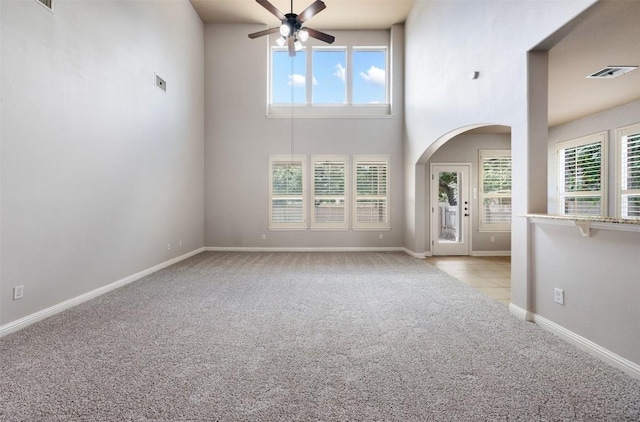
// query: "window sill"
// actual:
[[366, 111]]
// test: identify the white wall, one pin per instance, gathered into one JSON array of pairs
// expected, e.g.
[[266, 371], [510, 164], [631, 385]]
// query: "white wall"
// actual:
[[239, 139], [100, 170], [466, 149]]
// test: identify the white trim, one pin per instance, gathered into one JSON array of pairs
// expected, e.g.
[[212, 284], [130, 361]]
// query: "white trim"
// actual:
[[630, 368], [617, 150], [304, 249], [490, 253], [416, 254], [52, 310], [520, 313]]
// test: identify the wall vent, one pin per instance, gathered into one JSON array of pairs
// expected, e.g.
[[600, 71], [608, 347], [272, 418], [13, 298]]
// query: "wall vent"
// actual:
[[46, 3], [612, 72], [161, 84]]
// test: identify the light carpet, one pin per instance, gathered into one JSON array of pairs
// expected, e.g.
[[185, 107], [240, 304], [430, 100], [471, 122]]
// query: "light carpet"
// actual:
[[302, 336]]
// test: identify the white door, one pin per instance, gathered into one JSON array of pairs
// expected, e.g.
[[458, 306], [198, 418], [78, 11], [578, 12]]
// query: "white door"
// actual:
[[450, 209]]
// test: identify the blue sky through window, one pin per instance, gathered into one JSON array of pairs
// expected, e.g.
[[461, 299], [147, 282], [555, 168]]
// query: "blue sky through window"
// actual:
[[369, 77], [289, 74], [330, 71], [329, 77]]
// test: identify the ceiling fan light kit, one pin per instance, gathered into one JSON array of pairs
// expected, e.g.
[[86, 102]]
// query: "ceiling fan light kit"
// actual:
[[293, 34]]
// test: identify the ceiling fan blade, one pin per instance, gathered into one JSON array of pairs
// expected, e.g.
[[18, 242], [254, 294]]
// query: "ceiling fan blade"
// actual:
[[263, 33], [329, 39], [271, 8], [314, 8], [292, 47]]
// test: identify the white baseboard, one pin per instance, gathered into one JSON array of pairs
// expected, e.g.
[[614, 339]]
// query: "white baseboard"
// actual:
[[45, 313], [317, 249], [520, 313], [491, 253], [625, 365], [301, 249]]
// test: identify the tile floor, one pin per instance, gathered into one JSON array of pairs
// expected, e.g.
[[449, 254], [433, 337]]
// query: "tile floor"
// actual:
[[489, 274]]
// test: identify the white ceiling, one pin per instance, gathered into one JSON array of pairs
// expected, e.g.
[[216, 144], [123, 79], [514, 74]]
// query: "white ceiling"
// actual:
[[339, 14], [606, 35]]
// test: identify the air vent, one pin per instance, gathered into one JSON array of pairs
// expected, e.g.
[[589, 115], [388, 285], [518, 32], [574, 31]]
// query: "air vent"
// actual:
[[612, 72], [46, 3]]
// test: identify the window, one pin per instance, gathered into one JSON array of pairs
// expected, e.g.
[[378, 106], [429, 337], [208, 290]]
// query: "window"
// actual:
[[495, 190], [371, 188], [287, 202], [329, 192], [329, 81], [369, 76], [629, 172], [581, 176], [288, 77], [330, 73]]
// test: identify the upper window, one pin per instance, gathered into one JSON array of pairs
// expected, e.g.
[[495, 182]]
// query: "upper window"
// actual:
[[329, 192], [371, 192], [495, 190], [287, 193], [288, 77], [354, 78], [369, 76], [629, 172], [330, 75], [581, 176]]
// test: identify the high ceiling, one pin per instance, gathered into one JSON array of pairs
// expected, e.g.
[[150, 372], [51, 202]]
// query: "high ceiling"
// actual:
[[606, 35], [339, 14]]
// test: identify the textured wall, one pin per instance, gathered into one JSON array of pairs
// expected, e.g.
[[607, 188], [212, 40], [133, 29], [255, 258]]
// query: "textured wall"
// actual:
[[100, 169]]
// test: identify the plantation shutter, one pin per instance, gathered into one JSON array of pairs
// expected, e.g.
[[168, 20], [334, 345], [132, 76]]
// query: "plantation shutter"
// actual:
[[329, 193], [371, 208], [630, 177], [496, 189], [287, 205], [580, 177]]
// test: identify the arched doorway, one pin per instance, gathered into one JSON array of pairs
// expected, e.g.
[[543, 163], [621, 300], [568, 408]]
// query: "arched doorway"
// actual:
[[454, 214]]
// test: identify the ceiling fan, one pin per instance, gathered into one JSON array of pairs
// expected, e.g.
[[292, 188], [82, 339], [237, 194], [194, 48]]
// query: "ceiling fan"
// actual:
[[291, 29]]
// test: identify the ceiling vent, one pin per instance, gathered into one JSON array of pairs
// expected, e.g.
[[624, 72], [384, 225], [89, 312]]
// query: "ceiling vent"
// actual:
[[612, 72]]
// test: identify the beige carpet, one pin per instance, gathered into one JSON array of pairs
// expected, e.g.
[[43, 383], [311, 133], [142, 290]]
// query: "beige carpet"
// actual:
[[306, 336]]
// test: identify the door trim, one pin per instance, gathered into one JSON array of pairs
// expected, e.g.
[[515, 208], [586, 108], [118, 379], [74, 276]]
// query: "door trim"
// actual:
[[432, 219]]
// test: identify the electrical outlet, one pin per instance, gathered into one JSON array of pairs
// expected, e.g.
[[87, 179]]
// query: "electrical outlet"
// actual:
[[493, 239], [558, 296], [18, 292], [168, 246], [264, 237], [380, 236], [180, 242]]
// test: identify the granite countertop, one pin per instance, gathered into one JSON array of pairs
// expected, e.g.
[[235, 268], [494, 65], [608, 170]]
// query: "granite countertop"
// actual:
[[586, 218]]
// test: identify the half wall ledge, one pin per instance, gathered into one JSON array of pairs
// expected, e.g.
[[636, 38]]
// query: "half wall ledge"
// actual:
[[585, 222]]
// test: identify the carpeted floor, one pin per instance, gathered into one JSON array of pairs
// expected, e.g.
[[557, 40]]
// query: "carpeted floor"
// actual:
[[304, 336]]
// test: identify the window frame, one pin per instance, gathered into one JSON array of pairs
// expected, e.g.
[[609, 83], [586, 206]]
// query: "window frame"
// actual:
[[621, 133], [343, 159], [288, 158], [561, 194], [384, 225], [483, 226], [346, 110]]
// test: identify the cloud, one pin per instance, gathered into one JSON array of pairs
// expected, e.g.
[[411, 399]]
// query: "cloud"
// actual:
[[340, 73], [298, 80], [374, 75]]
